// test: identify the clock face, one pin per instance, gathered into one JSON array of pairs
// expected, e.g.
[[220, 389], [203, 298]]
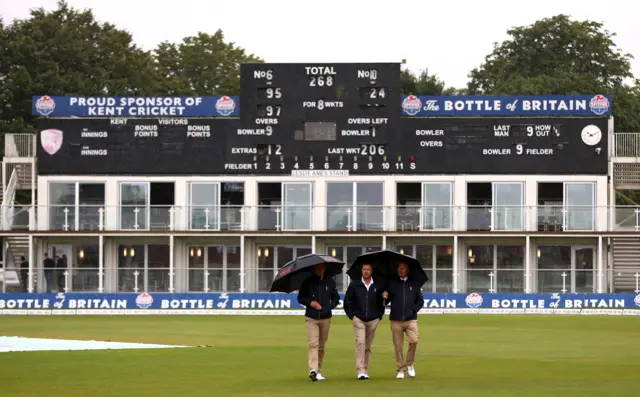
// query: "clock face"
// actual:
[[591, 135]]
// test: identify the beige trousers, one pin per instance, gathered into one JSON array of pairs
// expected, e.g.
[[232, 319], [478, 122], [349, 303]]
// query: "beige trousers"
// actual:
[[317, 335], [398, 329], [364, 332]]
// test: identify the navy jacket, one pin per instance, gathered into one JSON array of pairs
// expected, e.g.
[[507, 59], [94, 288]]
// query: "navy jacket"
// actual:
[[322, 290], [366, 305], [405, 298]]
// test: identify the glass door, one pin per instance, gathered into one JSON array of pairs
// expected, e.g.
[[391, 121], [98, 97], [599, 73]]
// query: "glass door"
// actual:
[[584, 272], [134, 205], [297, 201], [436, 206], [204, 209], [508, 200], [579, 211]]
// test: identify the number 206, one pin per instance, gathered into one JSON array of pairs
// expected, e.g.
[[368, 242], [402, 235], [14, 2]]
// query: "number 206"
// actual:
[[371, 150]]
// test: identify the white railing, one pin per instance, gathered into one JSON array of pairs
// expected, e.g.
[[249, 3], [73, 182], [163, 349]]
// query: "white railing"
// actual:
[[626, 144], [309, 218], [19, 145], [8, 202]]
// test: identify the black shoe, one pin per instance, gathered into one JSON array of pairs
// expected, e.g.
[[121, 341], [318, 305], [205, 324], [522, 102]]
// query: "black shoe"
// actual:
[[312, 375]]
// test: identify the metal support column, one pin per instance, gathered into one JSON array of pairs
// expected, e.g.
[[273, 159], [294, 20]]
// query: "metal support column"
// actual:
[[600, 264], [31, 264], [242, 267], [313, 244], [527, 265], [101, 263], [384, 242], [455, 264], [171, 264]]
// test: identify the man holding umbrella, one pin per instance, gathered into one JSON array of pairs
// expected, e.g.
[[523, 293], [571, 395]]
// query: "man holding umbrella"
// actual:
[[405, 296], [364, 305], [318, 293], [311, 275]]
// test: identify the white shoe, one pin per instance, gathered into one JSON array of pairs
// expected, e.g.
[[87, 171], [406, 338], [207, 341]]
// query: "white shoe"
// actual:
[[366, 376], [400, 375], [411, 371], [361, 376], [320, 377]]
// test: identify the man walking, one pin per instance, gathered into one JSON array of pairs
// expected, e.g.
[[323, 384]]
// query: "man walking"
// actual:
[[364, 305], [320, 296], [406, 300]]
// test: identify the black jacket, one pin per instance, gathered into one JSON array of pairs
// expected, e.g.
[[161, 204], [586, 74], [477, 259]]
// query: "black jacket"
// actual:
[[406, 300], [366, 305], [322, 290]]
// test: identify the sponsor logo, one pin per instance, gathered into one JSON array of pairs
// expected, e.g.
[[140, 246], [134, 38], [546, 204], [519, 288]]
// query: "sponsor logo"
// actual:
[[286, 271], [636, 300], [599, 104], [411, 105], [51, 140], [474, 300], [45, 105], [144, 301], [225, 105]]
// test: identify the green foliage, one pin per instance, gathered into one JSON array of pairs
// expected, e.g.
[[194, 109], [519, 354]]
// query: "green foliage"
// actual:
[[424, 84], [201, 65], [563, 57]]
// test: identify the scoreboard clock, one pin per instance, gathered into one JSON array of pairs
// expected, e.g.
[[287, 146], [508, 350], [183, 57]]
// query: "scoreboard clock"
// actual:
[[323, 119]]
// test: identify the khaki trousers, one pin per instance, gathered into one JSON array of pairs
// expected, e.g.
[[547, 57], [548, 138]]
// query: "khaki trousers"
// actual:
[[364, 332], [317, 335], [398, 329]]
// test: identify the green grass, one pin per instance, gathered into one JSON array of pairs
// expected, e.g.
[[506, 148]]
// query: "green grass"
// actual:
[[264, 356]]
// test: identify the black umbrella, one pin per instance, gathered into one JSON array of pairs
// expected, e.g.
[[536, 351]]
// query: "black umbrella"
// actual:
[[385, 264], [291, 275]]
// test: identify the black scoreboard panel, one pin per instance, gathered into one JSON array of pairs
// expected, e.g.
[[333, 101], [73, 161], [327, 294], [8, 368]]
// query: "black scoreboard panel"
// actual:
[[507, 145], [319, 102], [421, 146], [176, 146]]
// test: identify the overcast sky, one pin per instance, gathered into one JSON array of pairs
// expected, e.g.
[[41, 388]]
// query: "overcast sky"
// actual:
[[448, 37]]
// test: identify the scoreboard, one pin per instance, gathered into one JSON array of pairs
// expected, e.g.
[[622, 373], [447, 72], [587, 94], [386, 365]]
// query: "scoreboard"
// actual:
[[322, 119]]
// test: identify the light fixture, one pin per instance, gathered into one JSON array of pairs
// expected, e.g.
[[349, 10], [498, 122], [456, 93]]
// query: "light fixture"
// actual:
[[132, 252], [538, 252], [333, 252], [124, 252], [449, 250], [402, 250], [81, 254], [266, 252], [470, 253], [199, 253], [191, 252], [259, 252]]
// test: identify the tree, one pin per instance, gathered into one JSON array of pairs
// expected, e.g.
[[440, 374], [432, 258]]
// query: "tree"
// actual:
[[67, 52], [201, 65], [424, 84]]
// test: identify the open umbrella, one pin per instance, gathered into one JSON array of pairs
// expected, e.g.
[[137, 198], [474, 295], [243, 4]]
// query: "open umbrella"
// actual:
[[291, 275], [385, 264]]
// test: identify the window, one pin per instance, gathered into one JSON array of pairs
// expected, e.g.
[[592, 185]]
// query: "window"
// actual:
[[579, 202], [495, 268], [143, 267], [205, 206], [355, 206], [437, 200], [566, 268], [214, 266], [134, 202], [76, 206]]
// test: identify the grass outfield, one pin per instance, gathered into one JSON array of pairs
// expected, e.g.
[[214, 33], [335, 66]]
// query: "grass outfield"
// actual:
[[458, 355]]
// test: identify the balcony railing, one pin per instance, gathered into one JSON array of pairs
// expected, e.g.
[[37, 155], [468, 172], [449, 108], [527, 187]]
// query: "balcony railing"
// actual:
[[316, 218], [626, 144], [19, 145]]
